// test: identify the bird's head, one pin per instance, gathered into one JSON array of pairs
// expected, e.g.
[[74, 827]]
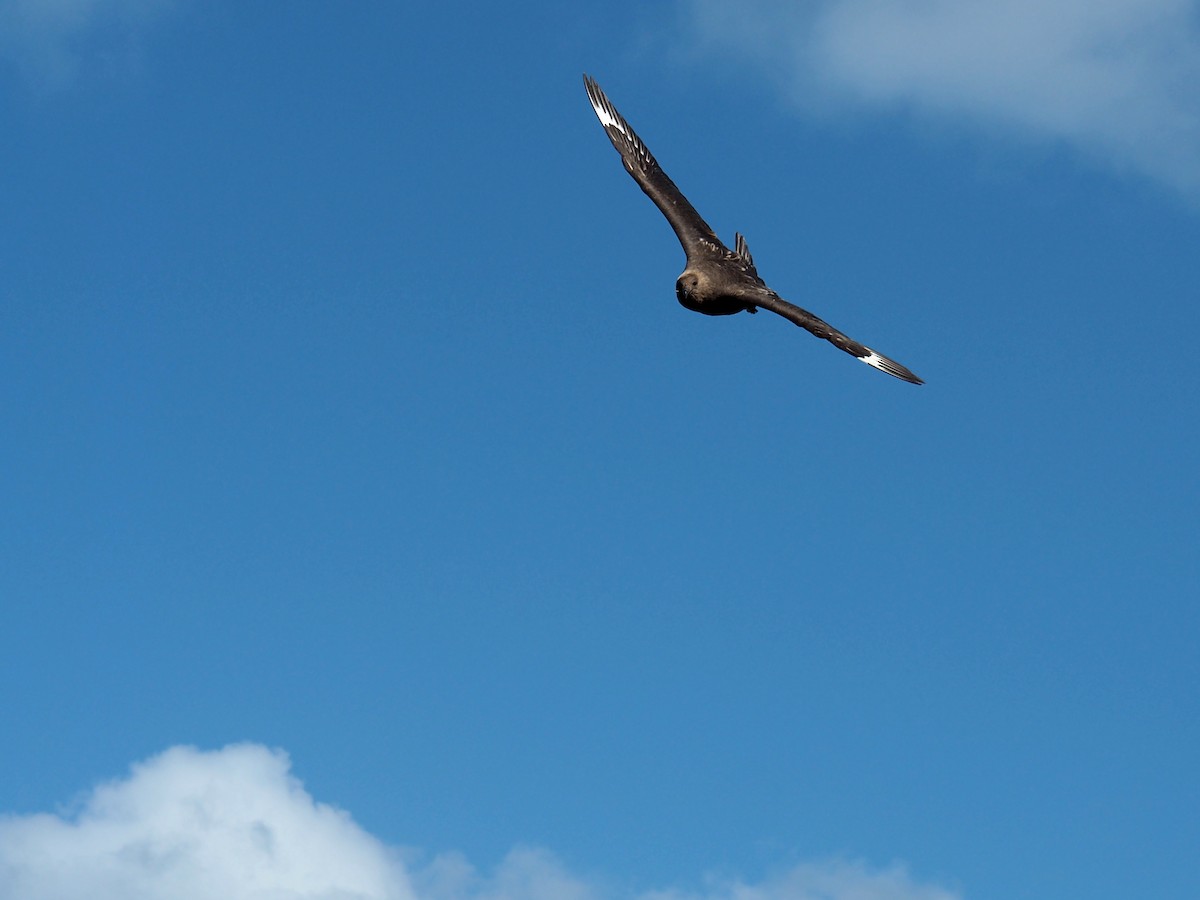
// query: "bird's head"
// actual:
[[685, 289]]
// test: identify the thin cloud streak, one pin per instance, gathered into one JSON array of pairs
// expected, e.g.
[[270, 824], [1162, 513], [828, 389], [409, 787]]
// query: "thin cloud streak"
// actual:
[[234, 824], [1114, 79], [49, 42]]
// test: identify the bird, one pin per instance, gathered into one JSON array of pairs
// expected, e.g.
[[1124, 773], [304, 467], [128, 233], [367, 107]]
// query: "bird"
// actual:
[[716, 281]]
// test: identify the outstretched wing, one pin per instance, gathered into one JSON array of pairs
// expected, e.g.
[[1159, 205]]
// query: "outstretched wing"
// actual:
[[767, 299], [693, 232]]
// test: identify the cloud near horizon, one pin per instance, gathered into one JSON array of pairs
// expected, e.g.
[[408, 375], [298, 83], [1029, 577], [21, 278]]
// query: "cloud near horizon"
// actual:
[[1113, 79], [235, 824]]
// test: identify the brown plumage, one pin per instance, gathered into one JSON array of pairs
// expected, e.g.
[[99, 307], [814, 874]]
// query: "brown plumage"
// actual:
[[717, 281]]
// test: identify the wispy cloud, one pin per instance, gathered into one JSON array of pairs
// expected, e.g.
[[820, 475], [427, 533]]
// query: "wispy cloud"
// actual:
[[1114, 79], [234, 824], [50, 41]]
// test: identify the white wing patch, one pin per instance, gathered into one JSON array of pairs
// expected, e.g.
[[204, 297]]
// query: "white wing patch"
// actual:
[[628, 144], [606, 118], [882, 363]]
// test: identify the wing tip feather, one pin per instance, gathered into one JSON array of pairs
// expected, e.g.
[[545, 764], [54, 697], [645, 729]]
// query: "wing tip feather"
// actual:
[[601, 105], [883, 364]]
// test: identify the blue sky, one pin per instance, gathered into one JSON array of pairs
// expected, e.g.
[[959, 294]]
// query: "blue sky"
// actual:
[[376, 524]]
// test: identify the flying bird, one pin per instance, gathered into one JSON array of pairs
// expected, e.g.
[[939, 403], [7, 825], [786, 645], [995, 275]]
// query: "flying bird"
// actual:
[[716, 281]]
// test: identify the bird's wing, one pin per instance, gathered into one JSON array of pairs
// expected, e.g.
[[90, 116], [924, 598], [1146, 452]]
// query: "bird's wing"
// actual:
[[767, 299], [694, 234], [740, 248]]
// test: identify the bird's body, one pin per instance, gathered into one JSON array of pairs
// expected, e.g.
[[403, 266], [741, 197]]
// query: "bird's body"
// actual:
[[717, 281]]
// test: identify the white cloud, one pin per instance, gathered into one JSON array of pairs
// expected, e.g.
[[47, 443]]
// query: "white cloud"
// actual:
[[526, 873], [49, 41], [234, 824], [231, 824], [824, 881], [1115, 79]]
